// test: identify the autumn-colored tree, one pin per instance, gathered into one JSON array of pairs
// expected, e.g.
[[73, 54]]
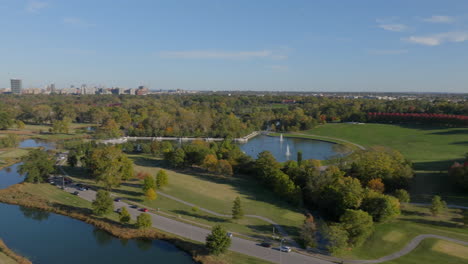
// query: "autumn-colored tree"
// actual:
[[109, 165], [224, 167], [376, 185], [151, 194], [210, 163]]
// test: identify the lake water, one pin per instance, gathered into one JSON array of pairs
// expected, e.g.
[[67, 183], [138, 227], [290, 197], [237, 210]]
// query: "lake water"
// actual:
[[47, 238], [311, 149]]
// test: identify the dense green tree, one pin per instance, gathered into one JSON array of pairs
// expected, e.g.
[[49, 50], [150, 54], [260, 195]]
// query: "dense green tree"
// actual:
[[458, 174], [148, 183], [299, 158], [124, 216], [217, 242], [110, 166], [9, 141], [381, 207], [37, 166], [358, 224], [237, 210], [337, 238], [176, 157], [162, 179], [402, 195], [109, 129], [103, 203], [144, 221], [223, 167], [6, 120], [437, 205]]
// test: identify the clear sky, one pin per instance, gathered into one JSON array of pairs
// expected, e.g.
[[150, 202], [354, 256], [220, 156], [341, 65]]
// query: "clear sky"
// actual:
[[311, 45]]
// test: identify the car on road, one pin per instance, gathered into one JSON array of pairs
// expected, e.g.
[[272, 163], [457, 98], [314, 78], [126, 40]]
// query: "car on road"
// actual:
[[133, 206], [265, 244], [285, 249], [118, 210], [144, 210], [229, 234], [117, 200], [76, 193]]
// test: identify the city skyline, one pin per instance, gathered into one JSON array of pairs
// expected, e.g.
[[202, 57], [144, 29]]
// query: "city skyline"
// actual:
[[417, 46]]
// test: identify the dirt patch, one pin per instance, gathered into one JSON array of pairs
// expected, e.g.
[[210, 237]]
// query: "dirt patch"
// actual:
[[393, 236], [450, 248]]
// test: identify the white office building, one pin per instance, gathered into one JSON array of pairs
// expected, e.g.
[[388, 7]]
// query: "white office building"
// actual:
[[16, 86]]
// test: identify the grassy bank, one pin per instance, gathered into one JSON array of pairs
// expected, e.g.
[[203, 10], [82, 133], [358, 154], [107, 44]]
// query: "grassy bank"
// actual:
[[11, 156], [8, 256], [77, 130], [212, 192], [49, 198]]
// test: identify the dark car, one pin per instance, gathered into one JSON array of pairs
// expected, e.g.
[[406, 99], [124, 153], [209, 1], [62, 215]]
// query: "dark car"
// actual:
[[265, 244], [76, 193], [133, 206], [117, 200]]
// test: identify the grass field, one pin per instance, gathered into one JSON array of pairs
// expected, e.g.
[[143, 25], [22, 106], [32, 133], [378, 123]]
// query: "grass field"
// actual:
[[435, 251], [77, 130], [415, 220], [215, 193], [431, 149], [10, 156]]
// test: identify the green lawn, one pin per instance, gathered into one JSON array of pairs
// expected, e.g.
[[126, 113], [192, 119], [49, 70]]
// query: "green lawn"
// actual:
[[215, 193], [415, 220], [434, 251], [77, 130], [432, 150]]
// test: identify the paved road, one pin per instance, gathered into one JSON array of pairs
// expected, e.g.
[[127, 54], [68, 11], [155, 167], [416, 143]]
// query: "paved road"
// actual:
[[240, 245]]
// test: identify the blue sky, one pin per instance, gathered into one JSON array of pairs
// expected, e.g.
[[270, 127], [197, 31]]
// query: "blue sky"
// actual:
[[310, 45]]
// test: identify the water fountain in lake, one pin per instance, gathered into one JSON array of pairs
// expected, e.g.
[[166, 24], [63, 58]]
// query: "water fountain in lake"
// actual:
[[281, 137], [288, 153]]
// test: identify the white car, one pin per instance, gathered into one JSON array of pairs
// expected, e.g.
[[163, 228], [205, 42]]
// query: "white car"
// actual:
[[229, 235], [285, 249]]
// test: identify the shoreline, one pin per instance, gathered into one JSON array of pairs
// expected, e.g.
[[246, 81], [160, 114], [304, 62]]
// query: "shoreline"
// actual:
[[13, 196], [13, 255]]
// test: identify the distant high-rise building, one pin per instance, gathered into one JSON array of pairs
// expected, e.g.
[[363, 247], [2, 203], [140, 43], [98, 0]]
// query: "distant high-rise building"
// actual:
[[16, 86], [52, 88]]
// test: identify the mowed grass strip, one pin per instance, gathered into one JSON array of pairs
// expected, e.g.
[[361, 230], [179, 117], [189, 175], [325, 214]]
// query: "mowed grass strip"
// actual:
[[425, 253], [451, 248]]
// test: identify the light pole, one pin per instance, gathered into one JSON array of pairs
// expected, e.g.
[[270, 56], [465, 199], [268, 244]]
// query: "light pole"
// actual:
[[281, 245]]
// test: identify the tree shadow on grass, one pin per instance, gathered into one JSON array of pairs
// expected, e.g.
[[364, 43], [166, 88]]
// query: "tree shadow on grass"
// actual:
[[452, 132], [126, 192], [413, 213], [432, 222], [135, 185], [460, 143], [204, 217], [439, 165]]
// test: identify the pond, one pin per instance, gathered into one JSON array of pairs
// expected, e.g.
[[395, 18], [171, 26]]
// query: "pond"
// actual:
[[281, 147], [55, 239]]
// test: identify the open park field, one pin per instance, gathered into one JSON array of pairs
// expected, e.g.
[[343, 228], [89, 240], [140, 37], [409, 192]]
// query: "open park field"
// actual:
[[215, 193], [435, 251], [431, 149], [77, 130]]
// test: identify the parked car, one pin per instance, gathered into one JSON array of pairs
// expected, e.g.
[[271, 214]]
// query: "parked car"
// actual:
[[229, 234], [265, 244], [117, 200], [144, 210], [285, 249], [76, 193], [133, 206], [118, 210]]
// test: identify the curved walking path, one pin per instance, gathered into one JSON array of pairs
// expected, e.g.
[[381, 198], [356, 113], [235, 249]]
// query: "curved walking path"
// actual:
[[448, 205], [277, 226], [407, 249]]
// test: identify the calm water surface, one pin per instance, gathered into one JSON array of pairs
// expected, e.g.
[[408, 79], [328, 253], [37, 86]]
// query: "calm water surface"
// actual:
[[47, 238], [311, 149]]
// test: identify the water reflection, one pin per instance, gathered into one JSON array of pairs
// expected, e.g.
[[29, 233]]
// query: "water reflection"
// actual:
[[34, 214], [102, 237]]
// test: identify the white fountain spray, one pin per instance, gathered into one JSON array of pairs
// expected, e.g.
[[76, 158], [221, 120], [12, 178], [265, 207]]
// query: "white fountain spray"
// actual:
[[288, 153], [281, 137]]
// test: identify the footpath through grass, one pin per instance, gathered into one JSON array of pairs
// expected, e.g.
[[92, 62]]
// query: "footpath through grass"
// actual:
[[433, 250], [212, 192], [415, 220], [431, 149]]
